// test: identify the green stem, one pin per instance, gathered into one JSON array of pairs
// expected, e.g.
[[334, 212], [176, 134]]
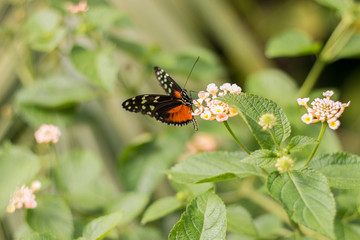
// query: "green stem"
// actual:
[[273, 137], [322, 131], [336, 42], [235, 138]]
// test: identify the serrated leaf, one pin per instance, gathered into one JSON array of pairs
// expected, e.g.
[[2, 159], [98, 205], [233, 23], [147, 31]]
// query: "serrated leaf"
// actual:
[[161, 208], [262, 158], [18, 166], [306, 197], [251, 108], [51, 216], [291, 43], [99, 67], [213, 166], [99, 227], [204, 218], [239, 220], [298, 143], [341, 169], [131, 204]]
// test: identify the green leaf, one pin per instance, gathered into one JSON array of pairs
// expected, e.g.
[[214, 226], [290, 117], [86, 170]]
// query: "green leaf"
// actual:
[[44, 31], [251, 108], [307, 199], [213, 166], [239, 220], [268, 226], [49, 92], [51, 216], [204, 218], [80, 173], [99, 67], [341, 169], [346, 231], [291, 43], [339, 5], [143, 166], [18, 166], [263, 158], [38, 236], [131, 204], [143, 233], [351, 48], [100, 227], [161, 208], [298, 143], [273, 84]]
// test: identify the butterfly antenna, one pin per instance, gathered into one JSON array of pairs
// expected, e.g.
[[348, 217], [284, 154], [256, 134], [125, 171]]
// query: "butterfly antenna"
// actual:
[[191, 71]]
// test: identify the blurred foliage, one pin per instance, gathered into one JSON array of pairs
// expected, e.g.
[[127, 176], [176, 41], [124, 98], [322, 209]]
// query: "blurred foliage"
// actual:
[[74, 71]]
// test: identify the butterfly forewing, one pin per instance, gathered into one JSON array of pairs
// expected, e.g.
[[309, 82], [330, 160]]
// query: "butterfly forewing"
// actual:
[[173, 109], [167, 83]]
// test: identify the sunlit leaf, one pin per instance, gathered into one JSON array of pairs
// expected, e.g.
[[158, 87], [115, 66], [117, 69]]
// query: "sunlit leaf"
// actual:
[[161, 208], [204, 218], [98, 228], [306, 197], [251, 108], [341, 169], [212, 167]]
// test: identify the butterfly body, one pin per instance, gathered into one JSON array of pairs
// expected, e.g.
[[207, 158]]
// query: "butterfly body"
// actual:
[[173, 109]]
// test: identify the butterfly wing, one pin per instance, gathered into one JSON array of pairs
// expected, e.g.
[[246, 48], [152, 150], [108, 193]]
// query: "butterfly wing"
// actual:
[[166, 109], [167, 83]]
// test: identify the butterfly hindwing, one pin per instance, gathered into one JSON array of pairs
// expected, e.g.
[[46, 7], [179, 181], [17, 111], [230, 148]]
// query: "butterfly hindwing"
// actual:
[[173, 109], [167, 83]]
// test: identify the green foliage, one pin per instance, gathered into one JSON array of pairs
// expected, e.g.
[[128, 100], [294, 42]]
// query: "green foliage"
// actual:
[[115, 175], [291, 43], [17, 166], [100, 227], [251, 108], [204, 218], [306, 196], [52, 216], [210, 167]]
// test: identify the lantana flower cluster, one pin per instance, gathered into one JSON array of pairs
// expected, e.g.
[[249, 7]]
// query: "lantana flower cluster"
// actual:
[[323, 110], [210, 108], [47, 133], [24, 197]]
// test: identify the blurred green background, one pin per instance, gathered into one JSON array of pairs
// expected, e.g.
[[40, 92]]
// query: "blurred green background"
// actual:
[[75, 70]]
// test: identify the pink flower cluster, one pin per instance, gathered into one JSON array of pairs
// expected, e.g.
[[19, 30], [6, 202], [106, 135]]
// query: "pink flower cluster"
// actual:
[[24, 197], [214, 108], [323, 110], [81, 7], [47, 133]]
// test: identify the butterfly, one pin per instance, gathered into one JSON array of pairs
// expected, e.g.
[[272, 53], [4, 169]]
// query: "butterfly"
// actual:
[[172, 109]]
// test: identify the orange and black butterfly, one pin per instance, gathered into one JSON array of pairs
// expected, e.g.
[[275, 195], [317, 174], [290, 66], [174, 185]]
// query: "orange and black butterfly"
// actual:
[[173, 109]]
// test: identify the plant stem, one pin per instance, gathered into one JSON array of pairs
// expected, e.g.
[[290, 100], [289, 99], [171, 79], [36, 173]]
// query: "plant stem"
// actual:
[[235, 138], [273, 137], [336, 42], [322, 131]]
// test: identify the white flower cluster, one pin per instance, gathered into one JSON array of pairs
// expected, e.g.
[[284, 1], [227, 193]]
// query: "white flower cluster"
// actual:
[[214, 108], [24, 197], [323, 110]]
